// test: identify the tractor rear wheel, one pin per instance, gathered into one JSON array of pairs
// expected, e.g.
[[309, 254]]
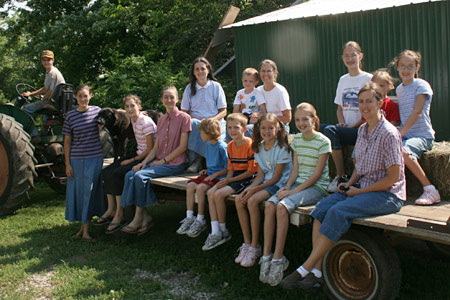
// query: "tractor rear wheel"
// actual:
[[16, 164]]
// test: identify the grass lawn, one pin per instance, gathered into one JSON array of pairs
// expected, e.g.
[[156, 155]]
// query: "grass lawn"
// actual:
[[40, 260]]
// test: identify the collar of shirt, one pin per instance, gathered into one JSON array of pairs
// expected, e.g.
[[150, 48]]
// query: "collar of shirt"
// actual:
[[174, 112], [373, 134], [199, 87]]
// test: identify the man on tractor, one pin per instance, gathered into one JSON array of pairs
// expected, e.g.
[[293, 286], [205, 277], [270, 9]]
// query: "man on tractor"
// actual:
[[53, 77]]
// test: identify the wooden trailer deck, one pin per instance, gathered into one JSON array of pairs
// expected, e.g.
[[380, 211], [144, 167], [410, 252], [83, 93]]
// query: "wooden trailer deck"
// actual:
[[431, 223]]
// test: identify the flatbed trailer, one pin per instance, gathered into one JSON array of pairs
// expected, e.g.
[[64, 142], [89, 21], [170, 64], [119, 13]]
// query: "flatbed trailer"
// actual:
[[363, 264]]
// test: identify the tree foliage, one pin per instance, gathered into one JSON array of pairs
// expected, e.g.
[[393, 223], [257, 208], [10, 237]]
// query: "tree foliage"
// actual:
[[117, 46]]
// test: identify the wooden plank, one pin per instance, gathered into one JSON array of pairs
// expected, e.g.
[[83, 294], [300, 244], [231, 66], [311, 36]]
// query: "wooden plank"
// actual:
[[439, 212], [176, 182], [228, 19], [432, 215]]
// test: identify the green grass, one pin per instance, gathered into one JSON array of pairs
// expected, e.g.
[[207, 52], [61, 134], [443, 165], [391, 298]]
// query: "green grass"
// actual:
[[39, 258]]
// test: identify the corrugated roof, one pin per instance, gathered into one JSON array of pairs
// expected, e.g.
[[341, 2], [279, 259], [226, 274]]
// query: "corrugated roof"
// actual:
[[314, 8]]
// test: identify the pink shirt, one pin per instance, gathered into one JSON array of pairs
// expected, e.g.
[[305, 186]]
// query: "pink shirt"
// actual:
[[375, 152], [170, 128], [143, 126]]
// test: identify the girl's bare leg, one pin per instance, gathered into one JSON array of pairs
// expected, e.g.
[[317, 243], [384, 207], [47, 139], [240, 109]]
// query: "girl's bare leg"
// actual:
[[269, 227], [282, 230], [244, 220], [255, 215]]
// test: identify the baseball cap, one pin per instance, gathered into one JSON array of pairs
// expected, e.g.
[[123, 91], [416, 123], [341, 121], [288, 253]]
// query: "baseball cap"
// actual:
[[47, 54]]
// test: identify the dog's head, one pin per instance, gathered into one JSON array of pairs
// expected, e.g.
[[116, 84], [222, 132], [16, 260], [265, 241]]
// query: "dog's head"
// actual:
[[154, 115], [106, 118]]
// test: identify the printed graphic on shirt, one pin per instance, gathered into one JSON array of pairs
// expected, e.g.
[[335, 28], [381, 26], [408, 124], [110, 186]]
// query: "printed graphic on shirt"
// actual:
[[350, 98]]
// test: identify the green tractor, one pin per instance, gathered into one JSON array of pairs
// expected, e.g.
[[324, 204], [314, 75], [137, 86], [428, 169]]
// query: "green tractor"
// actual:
[[22, 158]]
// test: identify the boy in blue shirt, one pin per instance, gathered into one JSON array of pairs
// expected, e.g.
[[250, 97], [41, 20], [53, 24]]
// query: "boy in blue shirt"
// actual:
[[216, 163]]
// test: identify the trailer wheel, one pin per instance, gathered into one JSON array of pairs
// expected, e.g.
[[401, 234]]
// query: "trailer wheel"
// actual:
[[362, 265], [16, 164]]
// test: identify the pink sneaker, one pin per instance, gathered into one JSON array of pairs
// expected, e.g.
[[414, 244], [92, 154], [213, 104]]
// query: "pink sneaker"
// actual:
[[429, 197], [242, 252], [252, 256]]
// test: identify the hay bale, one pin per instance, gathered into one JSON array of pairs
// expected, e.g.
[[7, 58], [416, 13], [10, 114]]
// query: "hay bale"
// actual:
[[348, 162], [436, 164]]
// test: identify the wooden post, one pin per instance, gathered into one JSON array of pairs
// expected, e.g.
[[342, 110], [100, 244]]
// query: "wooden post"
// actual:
[[230, 16]]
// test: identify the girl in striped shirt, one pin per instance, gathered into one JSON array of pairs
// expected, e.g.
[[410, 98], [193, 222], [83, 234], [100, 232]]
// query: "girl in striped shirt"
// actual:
[[84, 158], [414, 103], [306, 185]]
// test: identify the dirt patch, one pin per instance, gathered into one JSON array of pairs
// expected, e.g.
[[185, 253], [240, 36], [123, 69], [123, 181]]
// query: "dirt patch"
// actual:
[[40, 284], [180, 284]]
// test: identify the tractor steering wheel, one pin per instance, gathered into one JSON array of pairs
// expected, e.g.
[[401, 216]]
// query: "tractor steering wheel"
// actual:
[[23, 87]]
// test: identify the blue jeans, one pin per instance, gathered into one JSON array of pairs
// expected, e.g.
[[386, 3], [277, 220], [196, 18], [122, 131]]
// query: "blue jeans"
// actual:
[[195, 142], [35, 107], [339, 135], [337, 211], [308, 196], [137, 190]]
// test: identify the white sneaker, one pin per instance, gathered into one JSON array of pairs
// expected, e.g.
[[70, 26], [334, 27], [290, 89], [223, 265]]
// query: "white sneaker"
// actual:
[[429, 197], [277, 269], [251, 257], [196, 165], [333, 185], [242, 252], [215, 240], [196, 228], [264, 269], [185, 225]]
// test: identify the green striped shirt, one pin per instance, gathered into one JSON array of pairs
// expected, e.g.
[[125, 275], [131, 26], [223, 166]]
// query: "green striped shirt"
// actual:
[[308, 152]]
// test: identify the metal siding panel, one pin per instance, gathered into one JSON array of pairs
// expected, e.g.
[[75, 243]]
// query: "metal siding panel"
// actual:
[[381, 33]]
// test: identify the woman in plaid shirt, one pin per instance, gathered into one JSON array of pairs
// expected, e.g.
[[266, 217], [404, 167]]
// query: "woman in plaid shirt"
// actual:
[[376, 187]]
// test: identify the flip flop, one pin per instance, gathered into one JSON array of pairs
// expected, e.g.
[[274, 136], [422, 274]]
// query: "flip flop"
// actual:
[[102, 221], [89, 240], [144, 230], [77, 235], [115, 229], [132, 230]]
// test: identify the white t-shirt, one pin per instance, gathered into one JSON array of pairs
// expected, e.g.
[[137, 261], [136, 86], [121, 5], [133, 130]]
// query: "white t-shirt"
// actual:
[[252, 100], [277, 99], [347, 95]]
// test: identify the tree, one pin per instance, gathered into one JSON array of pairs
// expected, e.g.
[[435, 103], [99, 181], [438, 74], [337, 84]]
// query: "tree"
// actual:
[[121, 46]]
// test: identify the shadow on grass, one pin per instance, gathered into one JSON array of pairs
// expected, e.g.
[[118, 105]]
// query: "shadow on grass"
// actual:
[[122, 267]]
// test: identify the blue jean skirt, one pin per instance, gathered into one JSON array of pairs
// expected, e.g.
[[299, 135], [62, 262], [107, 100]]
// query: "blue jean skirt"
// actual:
[[84, 193]]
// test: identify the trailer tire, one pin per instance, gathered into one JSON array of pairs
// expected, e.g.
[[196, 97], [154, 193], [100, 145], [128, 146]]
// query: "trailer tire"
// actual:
[[16, 164], [362, 266]]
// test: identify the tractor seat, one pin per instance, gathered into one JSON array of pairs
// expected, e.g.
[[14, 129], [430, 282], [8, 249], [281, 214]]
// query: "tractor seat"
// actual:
[[62, 99]]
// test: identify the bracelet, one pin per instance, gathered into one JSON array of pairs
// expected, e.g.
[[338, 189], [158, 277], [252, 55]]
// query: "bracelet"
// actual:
[[165, 160]]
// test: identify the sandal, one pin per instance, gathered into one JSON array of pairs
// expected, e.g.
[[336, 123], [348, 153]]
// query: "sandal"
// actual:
[[144, 229], [102, 221], [89, 240], [129, 229], [77, 235], [117, 226]]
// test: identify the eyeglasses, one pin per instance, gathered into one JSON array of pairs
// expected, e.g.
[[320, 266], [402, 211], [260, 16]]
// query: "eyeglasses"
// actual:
[[349, 56], [409, 68]]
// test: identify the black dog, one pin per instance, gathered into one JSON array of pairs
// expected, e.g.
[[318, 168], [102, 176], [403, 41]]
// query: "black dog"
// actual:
[[118, 124]]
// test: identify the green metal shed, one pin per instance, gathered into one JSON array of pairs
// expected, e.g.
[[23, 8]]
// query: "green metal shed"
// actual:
[[306, 40]]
